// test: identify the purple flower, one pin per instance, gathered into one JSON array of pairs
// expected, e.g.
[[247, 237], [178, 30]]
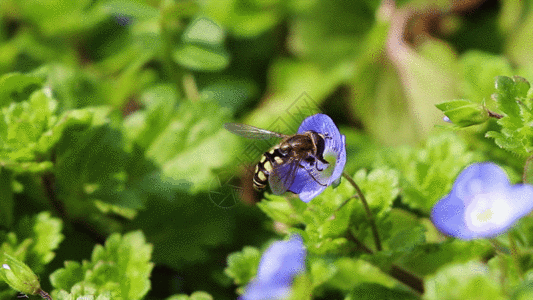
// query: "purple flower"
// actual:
[[309, 185], [482, 203], [280, 263]]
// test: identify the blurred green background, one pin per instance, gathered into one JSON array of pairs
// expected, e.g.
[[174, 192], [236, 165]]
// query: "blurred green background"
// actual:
[[164, 76]]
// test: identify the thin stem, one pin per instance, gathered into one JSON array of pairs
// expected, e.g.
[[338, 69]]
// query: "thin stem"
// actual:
[[526, 174], [370, 216], [514, 254], [403, 276], [494, 115]]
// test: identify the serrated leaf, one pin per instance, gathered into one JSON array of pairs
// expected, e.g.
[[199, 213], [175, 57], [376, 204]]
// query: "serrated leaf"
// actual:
[[40, 236], [380, 187], [427, 173], [193, 145], [120, 269], [281, 209], [47, 237], [242, 266], [352, 272], [515, 134]]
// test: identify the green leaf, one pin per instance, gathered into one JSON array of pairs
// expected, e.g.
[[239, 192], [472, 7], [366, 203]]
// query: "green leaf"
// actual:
[[281, 209], [479, 70], [426, 259], [193, 146], [463, 113], [203, 47], [200, 58], [242, 266], [370, 291], [471, 280], [120, 270], [380, 187], [350, 273], [40, 235], [404, 231], [512, 99], [193, 296], [46, 236], [247, 21], [131, 9], [18, 275], [16, 87], [427, 173]]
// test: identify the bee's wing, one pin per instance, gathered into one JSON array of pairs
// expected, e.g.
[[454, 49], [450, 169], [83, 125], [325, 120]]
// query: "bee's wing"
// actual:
[[283, 175], [251, 132]]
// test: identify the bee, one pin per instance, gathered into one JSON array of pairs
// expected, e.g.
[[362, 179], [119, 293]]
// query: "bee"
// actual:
[[281, 163]]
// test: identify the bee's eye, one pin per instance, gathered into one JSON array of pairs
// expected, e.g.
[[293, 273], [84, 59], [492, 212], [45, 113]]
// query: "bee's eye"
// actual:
[[310, 159]]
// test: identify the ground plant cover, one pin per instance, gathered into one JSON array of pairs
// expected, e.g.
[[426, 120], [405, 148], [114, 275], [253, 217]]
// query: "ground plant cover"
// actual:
[[266, 149]]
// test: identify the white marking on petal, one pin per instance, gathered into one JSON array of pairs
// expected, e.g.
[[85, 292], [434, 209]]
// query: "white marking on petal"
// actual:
[[488, 212]]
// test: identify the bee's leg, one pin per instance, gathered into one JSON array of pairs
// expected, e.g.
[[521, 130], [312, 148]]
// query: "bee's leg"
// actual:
[[312, 176]]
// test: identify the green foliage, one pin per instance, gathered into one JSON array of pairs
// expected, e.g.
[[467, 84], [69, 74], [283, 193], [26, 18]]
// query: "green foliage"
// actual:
[[427, 173], [111, 121], [516, 103], [203, 47], [471, 280], [242, 265], [464, 113], [18, 275], [119, 270], [193, 296]]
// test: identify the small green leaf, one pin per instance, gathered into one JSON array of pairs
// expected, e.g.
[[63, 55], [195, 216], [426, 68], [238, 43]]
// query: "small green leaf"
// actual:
[[464, 113], [16, 87], [204, 31], [352, 272], [120, 270], [132, 9], [194, 296], [18, 275], [427, 173], [201, 58], [380, 188], [242, 266]]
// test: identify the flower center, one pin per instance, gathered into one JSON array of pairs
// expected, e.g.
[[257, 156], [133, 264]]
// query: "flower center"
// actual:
[[487, 211]]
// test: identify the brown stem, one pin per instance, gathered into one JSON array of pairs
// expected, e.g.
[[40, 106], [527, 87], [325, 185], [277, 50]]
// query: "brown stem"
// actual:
[[494, 115], [370, 216]]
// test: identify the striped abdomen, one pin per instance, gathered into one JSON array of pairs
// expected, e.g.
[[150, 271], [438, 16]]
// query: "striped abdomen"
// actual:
[[265, 165]]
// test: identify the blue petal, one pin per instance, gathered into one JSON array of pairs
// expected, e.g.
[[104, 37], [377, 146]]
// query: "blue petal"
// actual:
[[335, 145], [477, 178], [482, 204], [280, 263]]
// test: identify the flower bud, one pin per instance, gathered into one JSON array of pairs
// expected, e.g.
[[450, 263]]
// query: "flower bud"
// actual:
[[18, 275]]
